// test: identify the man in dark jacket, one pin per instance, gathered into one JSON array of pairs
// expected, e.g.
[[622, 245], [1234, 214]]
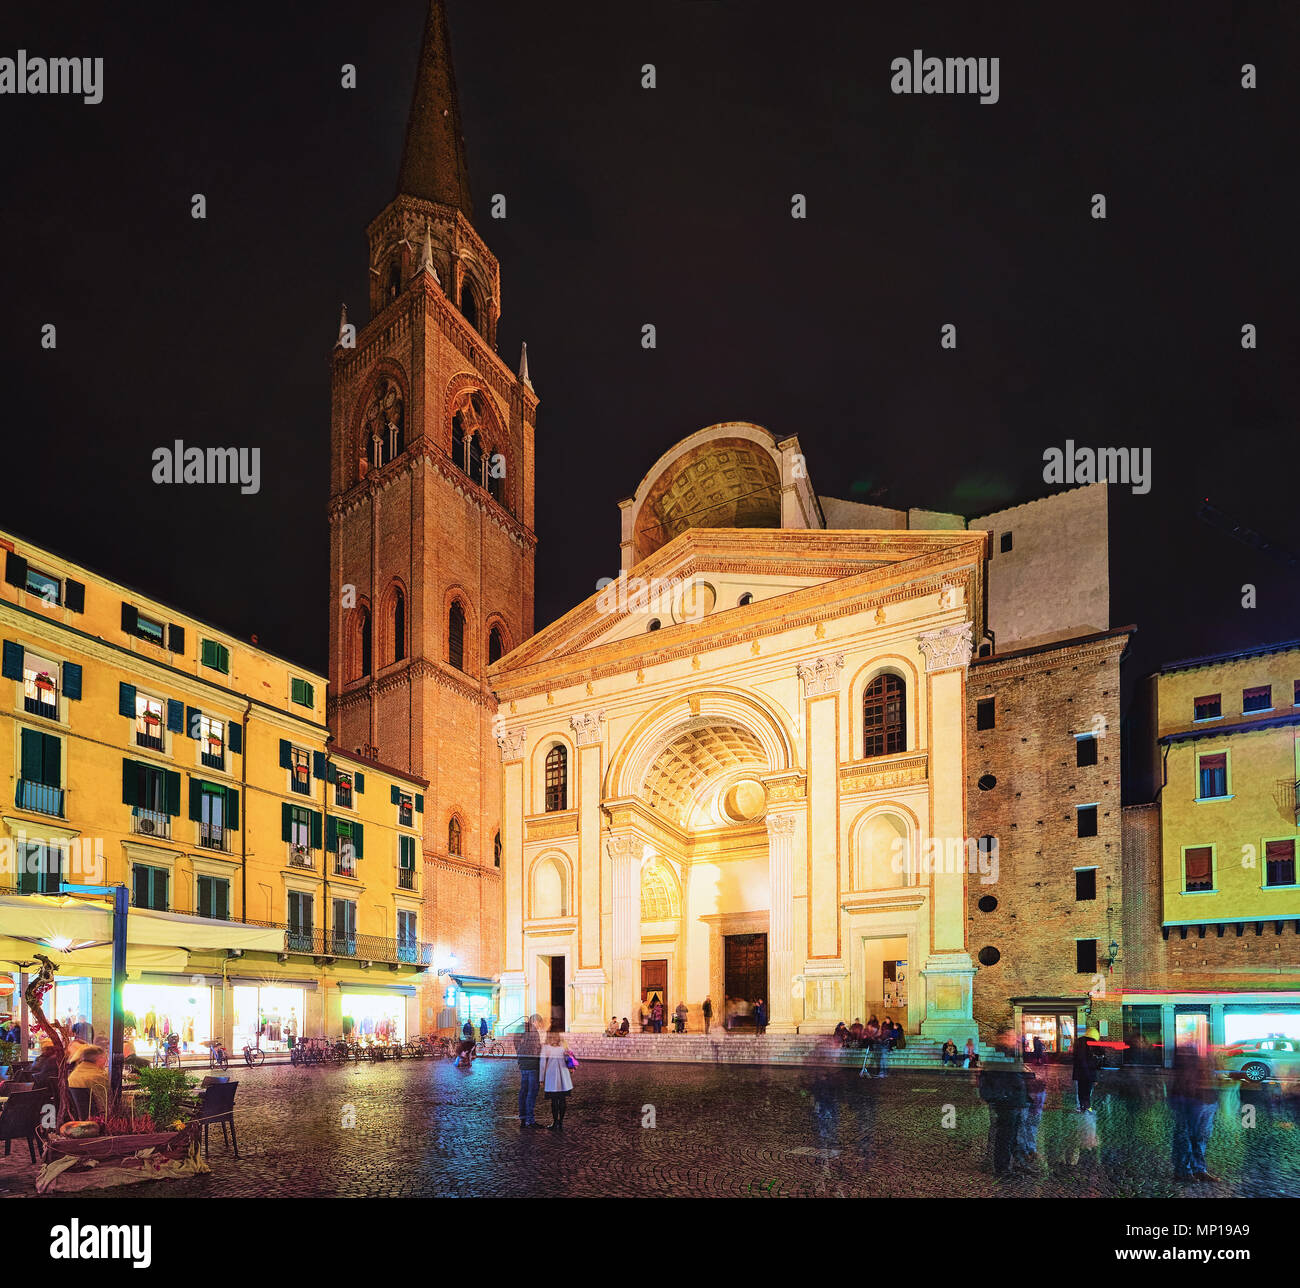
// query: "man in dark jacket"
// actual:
[[1087, 1063], [707, 1011], [1002, 1088], [528, 1049]]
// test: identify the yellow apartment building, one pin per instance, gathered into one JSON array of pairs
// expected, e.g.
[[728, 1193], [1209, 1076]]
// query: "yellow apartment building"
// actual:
[[275, 882]]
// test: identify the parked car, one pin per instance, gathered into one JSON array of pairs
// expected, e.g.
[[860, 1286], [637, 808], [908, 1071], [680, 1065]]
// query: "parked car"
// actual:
[[1260, 1059]]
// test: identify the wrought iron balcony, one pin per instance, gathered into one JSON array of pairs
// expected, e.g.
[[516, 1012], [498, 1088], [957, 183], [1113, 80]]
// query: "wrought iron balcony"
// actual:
[[372, 948], [406, 878], [40, 798], [151, 822]]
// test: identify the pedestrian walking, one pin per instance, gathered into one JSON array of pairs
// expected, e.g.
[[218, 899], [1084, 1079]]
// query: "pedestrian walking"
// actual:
[[528, 1050], [1087, 1064], [1003, 1090], [1025, 1152], [557, 1081], [707, 1012], [760, 1016], [1194, 1099], [482, 1026], [657, 1015]]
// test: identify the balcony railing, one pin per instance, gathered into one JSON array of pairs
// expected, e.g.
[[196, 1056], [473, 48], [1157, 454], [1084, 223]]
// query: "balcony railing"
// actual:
[[40, 798], [406, 878], [150, 737], [213, 836], [345, 865], [151, 822], [46, 704], [301, 859], [213, 759], [328, 943], [301, 782]]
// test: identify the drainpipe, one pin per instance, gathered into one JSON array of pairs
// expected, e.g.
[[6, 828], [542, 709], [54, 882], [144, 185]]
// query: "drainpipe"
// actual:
[[243, 820]]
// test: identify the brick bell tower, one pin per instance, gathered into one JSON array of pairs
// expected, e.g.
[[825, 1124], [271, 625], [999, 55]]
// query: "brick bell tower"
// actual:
[[431, 515]]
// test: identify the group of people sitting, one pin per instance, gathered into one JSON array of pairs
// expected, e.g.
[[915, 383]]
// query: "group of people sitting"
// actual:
[[967, 1059], [859, 1036], [616, 1030]]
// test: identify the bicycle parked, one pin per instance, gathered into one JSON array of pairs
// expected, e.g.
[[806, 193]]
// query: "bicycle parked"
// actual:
[[253, 1055], [489, 1046], [168, 1054], [218, 1056]]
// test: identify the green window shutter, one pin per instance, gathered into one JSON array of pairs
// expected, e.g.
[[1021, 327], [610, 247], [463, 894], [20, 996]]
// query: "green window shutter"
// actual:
[[32, 756], [193, 721], [286, 754], [318, 764], [315, 828], [222, 892], [74, 596], [130, 624], [331, 774], [232, 807], [175, 639], [173, 781], [358, 836], [175, 716], [160, 880], [15, 570], [50, 758], [139, 883], [406, 851], [396, 795], [286, 822], [196, 799], [126, 700], [130, 783], [13, 660], [236, 736], [72, 681], [205, 896], [359, 783], [419, 803], [332, 834]]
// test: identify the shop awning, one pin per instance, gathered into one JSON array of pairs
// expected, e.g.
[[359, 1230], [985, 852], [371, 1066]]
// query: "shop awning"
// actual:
[[76, 934], [404, 989], [474, 984]]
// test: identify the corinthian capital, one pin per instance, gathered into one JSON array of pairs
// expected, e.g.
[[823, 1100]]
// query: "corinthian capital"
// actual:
[[511, 742], [588, 728], [780, 825], [943, 649], [823, 676], [625, 847]]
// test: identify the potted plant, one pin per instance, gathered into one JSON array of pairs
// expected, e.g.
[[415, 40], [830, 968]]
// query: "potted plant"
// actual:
[[8, 1056], [152, 718], [45, 682]]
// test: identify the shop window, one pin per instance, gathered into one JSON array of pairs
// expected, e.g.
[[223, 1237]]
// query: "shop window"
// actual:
[[557, 779], [1086, 820], [985, 714], [883, 716], [269, 1018], [1212, 775], [1144, 1036], [371, 1019], [1085, 956], [156, 1013], [1085, 750], [1279, 863], [1085, 884], [1257, 699], [1209, 707], [1198, 868]]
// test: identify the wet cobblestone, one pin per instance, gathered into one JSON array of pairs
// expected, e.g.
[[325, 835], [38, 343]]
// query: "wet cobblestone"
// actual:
[[429, 1129]]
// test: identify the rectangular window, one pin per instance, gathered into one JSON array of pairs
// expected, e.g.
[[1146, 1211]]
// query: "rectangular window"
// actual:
[[1279, 863], [213, 827], [1085, 956], [40, 687], [301, 938], [212, 742], [345, 859], [1295, 695], [149, 722], [300, 836], [406, 932], [215, 655], [1087, 820], [40, 782], [345, 928], [343, 790], [302, 693], [47, 586], [985, 714], [1198, 869], [300, 769], [1006, 542], [41, 871], [213, 898], [406, 809], [149, 887], [149, 815], [1209, 707], [1212, 775], [1085, 750], [406, 862], [149, 629], [1257, 699], [1085, 884]]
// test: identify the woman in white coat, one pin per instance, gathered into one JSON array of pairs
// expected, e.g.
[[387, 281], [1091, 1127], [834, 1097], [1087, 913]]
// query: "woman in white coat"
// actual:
[[555, 1078]]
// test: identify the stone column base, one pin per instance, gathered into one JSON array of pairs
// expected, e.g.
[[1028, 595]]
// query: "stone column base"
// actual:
[[949, 984], [512, 999], [825, 996], [590, 989]]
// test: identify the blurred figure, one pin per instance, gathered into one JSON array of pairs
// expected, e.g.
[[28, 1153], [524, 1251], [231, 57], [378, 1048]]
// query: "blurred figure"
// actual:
[[91, 1074], [707, 1011], [949, 1053], [1087, 1064], [611, 1029], [528, 1050], [971, 1056], [841, 1034], [1025, 1153], [1002, 1088], [1040, 1051], [625, 1028], [1194, 1101], [555, 1075]]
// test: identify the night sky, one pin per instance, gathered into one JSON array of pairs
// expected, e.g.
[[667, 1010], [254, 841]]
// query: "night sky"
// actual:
[[670, 206]]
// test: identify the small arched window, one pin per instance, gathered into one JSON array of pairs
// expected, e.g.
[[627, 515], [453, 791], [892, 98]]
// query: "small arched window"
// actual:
[[746, 598], [399, 625], [495, 468], [496, 647], [363, 643], [458, 441], [468, 305], [453, 837], [474, 461], [456, 636], [496, 850], [557, 779], [884, 727], [394, 279]]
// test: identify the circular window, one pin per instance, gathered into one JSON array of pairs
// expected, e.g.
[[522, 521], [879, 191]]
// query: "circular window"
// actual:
[[989, 956], [697, 601], [745, 801], [655, 624], [987, 783], [987, 903], [746, 598]]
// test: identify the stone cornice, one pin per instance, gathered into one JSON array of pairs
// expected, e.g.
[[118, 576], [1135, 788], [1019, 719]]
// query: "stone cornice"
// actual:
[[884, 771], [445, 677], [1049, 657], [546, 827]]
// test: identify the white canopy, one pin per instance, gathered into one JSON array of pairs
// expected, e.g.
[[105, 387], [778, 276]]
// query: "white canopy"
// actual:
[[83, 930]]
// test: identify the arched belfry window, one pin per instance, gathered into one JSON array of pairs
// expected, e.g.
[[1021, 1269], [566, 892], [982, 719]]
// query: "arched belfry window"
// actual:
[[557, 779], [456, 636], [496, 646], [363, 654], [468, 304], [494, 467], [453, 836], [385, 422], [458, 441], [474, 465], [394, 279], [399, 625], [884, 716]]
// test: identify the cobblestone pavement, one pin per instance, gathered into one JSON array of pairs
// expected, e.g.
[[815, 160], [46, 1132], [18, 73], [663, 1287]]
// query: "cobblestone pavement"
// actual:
[[429, 1129]]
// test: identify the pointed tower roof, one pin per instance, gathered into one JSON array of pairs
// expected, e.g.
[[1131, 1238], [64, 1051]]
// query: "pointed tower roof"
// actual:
[[523, 365], [433, 156]]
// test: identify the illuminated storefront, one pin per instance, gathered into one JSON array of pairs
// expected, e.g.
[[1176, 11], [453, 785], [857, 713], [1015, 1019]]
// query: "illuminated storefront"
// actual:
[[1157, 1026], [267, 1015], [374, 1016], [471, 998], [155, 1011]]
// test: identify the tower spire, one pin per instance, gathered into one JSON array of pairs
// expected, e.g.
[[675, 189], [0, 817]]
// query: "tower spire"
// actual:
[[433, 156]]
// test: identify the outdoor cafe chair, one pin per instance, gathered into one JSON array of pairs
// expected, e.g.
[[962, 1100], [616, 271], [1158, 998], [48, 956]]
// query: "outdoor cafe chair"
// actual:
[[217, 1105], [20, 1117]]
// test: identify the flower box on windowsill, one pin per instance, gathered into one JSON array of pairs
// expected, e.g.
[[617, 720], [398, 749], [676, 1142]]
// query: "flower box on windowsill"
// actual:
[[152, 718], [45, 682]]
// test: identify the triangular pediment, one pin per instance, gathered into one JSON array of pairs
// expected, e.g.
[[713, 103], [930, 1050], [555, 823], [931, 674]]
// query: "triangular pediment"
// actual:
[[698, 580]]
